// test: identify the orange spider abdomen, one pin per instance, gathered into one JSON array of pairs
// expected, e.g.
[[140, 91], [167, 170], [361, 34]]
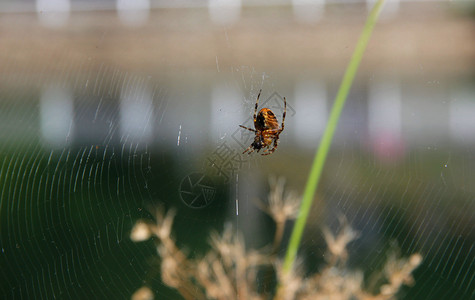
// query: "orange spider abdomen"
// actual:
[[266, 120]]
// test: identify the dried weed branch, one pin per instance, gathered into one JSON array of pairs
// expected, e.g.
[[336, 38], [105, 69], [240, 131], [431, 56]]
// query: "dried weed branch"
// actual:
[[230, 271], [337, 245], [280, 207]]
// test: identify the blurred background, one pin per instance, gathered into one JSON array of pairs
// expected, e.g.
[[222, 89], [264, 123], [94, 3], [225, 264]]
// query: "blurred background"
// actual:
[[111, 108]]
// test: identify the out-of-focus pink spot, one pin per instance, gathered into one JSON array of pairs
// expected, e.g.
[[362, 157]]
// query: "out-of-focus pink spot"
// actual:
[[388, 147]]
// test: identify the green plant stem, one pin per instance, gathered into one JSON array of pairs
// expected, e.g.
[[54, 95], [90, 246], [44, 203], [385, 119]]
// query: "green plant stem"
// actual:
[[321, 154]]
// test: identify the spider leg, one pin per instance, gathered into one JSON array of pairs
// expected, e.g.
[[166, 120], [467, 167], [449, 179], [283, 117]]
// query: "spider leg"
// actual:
[[249, 148], [276, 143], [247, 128], [269, 151], [283, 116], [257, 104]]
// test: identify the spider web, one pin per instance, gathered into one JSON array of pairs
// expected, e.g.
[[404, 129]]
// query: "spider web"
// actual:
[[86, 154], [67, 210]]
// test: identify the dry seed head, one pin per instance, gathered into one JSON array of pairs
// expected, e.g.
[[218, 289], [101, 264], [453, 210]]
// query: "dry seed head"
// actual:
[[170, 273], [164, 224], [337, 245], [140, 232], [143, 293], [280, 206]]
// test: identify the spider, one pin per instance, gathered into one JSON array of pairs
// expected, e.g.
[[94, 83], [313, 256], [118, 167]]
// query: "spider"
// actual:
[[266, 129]]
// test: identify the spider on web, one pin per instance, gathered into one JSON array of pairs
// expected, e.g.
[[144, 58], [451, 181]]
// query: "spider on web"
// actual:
[[266, 129]]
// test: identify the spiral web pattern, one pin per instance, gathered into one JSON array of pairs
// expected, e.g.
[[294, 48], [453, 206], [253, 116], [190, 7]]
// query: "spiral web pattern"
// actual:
[[66, 211]]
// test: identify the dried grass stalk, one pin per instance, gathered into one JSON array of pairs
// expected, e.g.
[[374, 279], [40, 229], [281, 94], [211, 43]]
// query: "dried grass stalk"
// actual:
[[229, 270]]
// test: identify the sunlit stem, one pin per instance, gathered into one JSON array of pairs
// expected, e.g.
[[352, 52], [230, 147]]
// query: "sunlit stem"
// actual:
[[321, 154]]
